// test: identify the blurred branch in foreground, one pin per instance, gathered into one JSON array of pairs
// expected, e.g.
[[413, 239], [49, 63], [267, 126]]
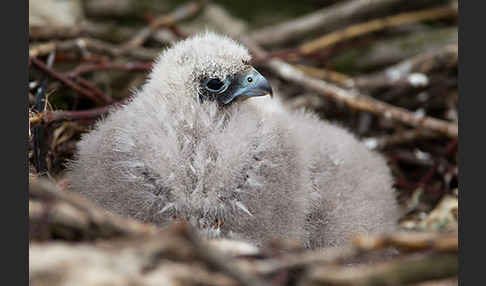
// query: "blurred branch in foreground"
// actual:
[[176, 255]]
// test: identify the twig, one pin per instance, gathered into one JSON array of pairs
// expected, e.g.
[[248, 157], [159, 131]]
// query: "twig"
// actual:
[[95, 46], [36, 118], [215, 260], [166, 257], [180, 13], [91, 89], [405, 241], [177, 32], [327, 75], [410, 241], [70, 217], [398, 272], [70, 214], [375, 25], [62, 115], [86, 83], [41, 49], [450, 149], [410, 157], [39, 131], [399, 74], [297, 260], [109, 66], [98, 46], [398, 138], [325, 19], [352, 98], [100, 99], [369, 53], [107, 31]]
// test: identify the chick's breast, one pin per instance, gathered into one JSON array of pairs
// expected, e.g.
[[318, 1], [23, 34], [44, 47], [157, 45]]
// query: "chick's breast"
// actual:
[[232, 174]]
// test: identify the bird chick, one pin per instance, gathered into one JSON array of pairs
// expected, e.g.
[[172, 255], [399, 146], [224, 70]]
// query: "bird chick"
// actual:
[[190, 146]]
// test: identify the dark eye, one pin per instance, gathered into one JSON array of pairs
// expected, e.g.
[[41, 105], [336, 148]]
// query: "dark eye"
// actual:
[[214, 84]]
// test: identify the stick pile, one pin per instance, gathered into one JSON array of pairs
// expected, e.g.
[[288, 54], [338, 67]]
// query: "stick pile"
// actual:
[[384, 69]]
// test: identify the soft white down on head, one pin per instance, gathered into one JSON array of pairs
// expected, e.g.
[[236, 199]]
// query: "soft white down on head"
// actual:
[[179, 68]]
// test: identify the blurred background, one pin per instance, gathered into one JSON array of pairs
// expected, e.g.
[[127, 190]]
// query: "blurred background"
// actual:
[[396, 59]]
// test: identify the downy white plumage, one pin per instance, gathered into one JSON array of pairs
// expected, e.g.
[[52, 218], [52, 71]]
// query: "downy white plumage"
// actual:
[[187, 147]]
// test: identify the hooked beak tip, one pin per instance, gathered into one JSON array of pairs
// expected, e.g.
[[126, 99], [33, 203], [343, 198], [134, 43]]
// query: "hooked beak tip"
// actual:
[[260, 86], [249, 84]]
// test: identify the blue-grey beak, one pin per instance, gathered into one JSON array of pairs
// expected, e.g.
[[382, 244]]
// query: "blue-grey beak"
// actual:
[[249, 83]]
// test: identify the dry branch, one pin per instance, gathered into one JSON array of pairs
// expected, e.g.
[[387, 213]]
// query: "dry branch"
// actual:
[[402, 137], [95, 46], [69, 215], [442, 59], [405, 241], [35, 118], [300, 260], [372, 55], [62, 115], [110, 66], [101, 47], [327, 75], [166, 258], [99, 98], [180, 13], [398, 272], [352, 98], [375, 25], [128, 252], [107, 31], [148, 252], [410, 241], [41, 49], [325, 19]]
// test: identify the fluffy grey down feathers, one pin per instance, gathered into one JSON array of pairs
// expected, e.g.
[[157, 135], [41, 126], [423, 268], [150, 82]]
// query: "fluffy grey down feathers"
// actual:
[[252, 171]]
